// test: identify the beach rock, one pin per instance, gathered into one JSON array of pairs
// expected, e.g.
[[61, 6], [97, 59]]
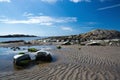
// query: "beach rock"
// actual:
[[93, 44], [15, 48], [28, 43], [22, 59], [66, 43], [43, 56], [114, 43]]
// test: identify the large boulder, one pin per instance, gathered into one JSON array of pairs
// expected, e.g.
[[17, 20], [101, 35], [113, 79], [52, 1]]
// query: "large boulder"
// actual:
[[43, 56], [22, 59]]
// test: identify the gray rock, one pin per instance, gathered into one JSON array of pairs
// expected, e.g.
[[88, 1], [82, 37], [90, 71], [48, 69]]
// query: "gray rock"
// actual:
[[43, 56], [22, 60]]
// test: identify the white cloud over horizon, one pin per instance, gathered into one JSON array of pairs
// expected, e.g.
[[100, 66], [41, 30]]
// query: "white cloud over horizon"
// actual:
[[5, 1], [67, 28], [41, 20]]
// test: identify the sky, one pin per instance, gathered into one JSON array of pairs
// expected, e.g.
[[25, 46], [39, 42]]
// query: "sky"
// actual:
[[58, 17]]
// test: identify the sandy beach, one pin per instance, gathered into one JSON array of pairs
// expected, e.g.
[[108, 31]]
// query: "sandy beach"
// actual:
[[74, 62]]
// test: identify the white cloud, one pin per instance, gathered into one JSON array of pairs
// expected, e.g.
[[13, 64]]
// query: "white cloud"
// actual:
[[49, 1], [67, 28], [109, 7], [5, 0], [76, 1], [27, 14], [42, 20]]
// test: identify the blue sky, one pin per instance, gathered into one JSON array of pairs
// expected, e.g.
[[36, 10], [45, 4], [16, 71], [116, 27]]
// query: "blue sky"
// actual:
[[58, 17]]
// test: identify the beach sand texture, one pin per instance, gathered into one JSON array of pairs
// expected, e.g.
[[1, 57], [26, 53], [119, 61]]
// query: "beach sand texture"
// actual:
[[74, 63]]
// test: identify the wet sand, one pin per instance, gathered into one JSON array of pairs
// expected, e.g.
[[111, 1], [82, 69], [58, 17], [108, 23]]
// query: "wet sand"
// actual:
[[74, 63]]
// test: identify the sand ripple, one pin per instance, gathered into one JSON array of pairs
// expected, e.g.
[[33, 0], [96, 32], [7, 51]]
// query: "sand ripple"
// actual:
[[89, 63]]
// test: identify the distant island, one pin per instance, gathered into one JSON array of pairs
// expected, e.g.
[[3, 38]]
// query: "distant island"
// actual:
[[16, 35]]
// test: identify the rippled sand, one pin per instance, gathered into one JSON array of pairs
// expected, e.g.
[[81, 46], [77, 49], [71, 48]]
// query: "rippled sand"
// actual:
[[74, 63]]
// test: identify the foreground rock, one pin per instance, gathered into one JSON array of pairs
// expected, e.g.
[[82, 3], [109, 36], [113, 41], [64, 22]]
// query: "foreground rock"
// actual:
[[22, 59], [43, 56], [25, 59]]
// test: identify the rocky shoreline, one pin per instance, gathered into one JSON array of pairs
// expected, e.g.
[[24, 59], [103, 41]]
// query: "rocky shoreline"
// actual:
[[96, 37]]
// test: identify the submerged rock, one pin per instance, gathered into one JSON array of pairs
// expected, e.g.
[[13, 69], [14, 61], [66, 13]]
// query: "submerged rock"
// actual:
[[15, 48]]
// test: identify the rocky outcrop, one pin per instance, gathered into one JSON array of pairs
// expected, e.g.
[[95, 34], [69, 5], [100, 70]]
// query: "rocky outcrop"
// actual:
[[100, 34]]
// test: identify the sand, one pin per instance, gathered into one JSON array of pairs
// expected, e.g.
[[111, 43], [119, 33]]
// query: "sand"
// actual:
[[74, 63]]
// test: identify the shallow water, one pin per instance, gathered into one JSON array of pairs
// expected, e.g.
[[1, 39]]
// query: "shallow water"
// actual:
[[6, 56]]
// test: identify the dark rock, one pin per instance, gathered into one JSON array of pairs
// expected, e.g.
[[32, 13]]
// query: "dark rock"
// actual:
[[27, 43], [15, 48], [43, 56], [94, 44], [66, 43], [22, 60], [59, 47]]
